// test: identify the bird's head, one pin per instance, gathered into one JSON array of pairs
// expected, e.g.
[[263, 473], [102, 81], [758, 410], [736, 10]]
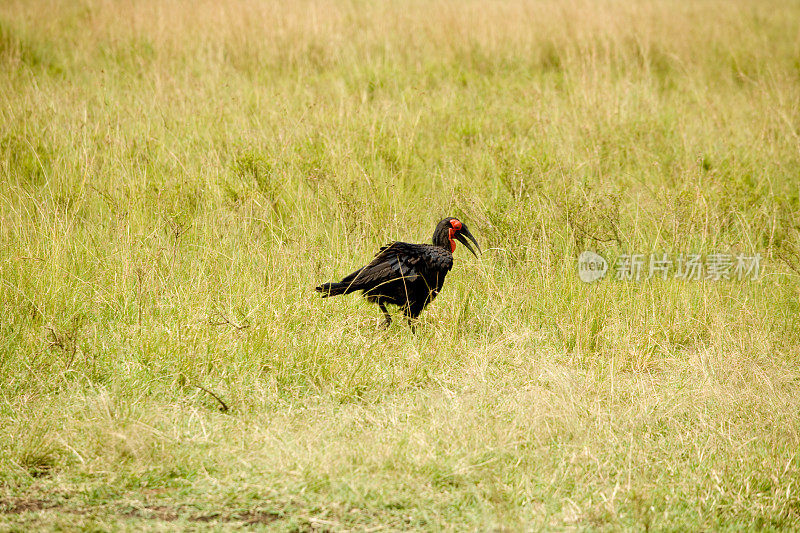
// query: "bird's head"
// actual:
[[451, 229]]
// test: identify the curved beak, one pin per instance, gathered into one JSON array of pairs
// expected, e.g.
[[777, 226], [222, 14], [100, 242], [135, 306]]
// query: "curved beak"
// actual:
[[459, 236]]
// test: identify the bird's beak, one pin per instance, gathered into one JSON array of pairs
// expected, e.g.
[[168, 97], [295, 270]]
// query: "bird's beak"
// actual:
[[459, 236]]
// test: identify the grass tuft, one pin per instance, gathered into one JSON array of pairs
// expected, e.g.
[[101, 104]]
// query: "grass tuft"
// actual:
[[176, 178]]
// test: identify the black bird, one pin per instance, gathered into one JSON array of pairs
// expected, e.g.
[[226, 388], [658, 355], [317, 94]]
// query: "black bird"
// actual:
[[404, 274]]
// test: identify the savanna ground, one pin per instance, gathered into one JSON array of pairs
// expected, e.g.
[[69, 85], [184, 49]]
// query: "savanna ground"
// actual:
[[177, 176]]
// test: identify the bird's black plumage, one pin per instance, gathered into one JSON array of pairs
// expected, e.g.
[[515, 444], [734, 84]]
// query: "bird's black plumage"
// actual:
[[407, 275]]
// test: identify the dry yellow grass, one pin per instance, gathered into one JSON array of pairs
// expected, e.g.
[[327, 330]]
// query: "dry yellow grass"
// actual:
[[175, 177]]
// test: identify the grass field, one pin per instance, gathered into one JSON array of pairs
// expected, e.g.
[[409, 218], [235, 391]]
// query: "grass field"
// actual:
[[177, 176]]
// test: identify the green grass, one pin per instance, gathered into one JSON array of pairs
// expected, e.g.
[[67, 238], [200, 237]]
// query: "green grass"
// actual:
[[176, 177]]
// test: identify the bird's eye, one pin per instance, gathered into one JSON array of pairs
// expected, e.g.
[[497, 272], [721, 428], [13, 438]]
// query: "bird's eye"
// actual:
[[456, 224]]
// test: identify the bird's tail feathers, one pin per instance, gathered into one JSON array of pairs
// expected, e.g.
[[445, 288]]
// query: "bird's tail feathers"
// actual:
[[348, 284], [333, 289]]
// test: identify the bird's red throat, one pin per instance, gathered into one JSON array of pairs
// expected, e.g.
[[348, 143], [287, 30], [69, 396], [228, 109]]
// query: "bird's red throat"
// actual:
[[456, 225]]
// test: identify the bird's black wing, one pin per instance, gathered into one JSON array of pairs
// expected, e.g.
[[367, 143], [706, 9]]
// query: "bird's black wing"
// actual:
[[396, 260]]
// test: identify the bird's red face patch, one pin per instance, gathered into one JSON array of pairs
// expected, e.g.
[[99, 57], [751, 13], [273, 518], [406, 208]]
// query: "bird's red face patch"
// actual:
[[450, 234], [455, 225]]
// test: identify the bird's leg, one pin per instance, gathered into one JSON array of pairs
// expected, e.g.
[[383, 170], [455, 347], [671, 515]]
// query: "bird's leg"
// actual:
[[386, 314], [412, 320]]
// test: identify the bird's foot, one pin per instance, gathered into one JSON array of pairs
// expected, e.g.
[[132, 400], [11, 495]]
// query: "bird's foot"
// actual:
[[387, 317]]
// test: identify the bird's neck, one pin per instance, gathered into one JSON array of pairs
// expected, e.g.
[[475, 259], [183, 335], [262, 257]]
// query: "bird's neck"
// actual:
[[445, 240]]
